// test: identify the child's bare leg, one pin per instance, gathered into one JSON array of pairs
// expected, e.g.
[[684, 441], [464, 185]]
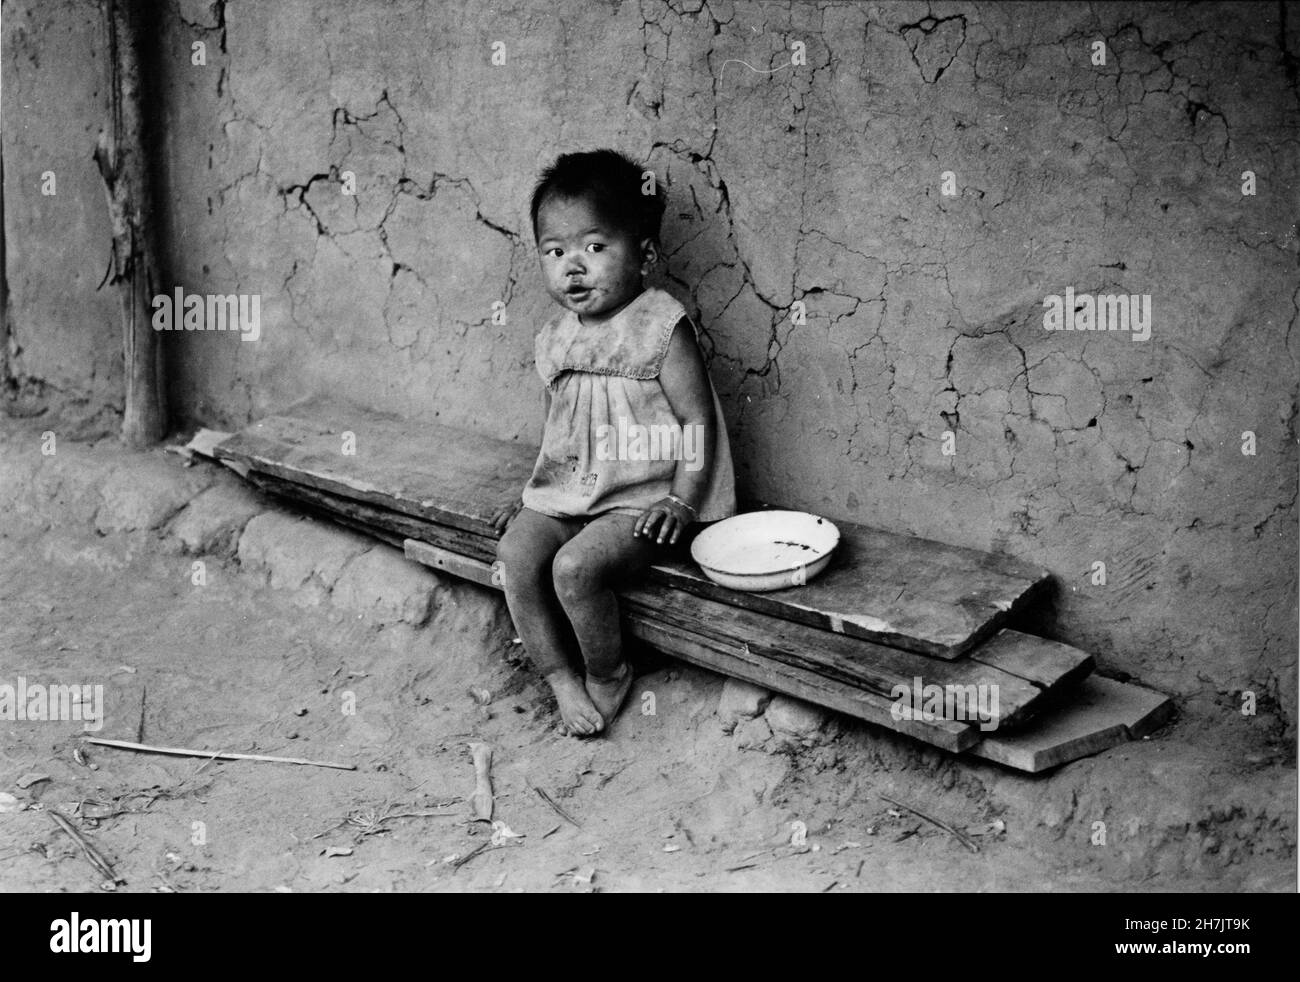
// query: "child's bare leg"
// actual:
[[526, 553], [586, 569]]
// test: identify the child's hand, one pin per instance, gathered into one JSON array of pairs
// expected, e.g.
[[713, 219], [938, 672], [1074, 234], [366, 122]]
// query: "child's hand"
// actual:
[[671, 518], [504, 515]]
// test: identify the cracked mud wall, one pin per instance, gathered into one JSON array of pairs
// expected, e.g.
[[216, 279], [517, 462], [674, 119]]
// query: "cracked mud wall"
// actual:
[[819, 182], [64, 331]]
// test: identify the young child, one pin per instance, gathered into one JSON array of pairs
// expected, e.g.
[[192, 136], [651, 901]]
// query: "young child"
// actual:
[[601, 505]]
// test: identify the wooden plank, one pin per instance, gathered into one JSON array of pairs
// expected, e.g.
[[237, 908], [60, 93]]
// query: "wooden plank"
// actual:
[[203, 441], [853, 661], [898, 590], [1011, 660], [902, 591], [365, 528], [735, 661], [427, 471], [291, 493], [467, 568], [1051, 665], [351, 512], [1102, 714], [735, 658]]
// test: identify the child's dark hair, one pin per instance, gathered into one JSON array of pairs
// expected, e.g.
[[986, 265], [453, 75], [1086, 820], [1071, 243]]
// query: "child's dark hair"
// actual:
[[612, 183]]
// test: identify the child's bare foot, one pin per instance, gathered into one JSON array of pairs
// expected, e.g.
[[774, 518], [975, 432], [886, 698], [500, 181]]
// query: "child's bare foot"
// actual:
[[607, 694], [580, 716]]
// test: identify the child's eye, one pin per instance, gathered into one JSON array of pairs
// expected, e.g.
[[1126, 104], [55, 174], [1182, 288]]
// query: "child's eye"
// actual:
[[595, 246], [554, 251]]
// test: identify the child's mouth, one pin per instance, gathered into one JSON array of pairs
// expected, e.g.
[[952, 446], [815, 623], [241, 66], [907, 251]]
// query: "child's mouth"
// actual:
[[578, 293]]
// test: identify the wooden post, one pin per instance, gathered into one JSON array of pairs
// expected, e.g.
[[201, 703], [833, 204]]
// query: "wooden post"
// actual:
[[120, 154]]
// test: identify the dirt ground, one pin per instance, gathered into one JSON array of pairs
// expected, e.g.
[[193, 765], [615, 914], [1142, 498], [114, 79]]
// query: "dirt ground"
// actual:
[[665, 802]]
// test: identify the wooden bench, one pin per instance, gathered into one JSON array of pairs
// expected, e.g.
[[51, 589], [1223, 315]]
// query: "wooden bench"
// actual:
[[890, 609]]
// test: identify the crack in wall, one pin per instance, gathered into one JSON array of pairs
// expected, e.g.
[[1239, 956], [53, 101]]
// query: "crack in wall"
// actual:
[[935, 43]]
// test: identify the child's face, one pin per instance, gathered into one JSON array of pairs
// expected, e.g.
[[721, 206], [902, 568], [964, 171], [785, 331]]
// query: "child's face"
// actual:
[[590, 267]]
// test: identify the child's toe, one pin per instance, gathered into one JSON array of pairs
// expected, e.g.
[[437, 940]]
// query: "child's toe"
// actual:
[[580, 726]]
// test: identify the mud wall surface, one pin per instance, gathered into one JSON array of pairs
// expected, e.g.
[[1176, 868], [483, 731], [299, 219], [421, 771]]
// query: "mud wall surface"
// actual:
[[63, 328], [869, 207]]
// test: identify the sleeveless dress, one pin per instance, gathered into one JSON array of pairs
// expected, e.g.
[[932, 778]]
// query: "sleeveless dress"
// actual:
[[612, 442]]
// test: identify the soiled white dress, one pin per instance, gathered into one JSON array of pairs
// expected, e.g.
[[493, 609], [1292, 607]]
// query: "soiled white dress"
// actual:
[[605, 397]]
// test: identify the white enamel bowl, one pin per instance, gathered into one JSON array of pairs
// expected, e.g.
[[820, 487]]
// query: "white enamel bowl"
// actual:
[[765, 550]]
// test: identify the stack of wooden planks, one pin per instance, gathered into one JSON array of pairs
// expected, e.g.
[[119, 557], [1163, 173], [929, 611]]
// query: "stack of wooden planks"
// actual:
[[890, 610]]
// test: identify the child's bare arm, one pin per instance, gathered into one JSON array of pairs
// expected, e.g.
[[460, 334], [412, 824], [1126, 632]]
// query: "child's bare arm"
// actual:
[[686, 384], [504, 515], [685, 381]]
